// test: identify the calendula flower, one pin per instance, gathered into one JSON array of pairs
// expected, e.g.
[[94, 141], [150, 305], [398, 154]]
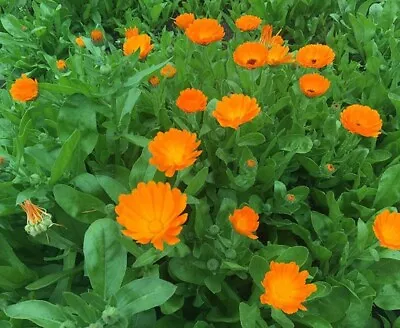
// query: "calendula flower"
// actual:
[[24, 89], [251, 163], [291, 198], [315, 56], [278, 55], [330, 167], [245, 221], [191, 100], [314, 85], [387, 229], [269, 40], [205, 31], [248, 23], [362, 120], [154, 80], [96, 35], [250, 55], [286, 288], [152, 213], [173, 150], [235, 110], [61, 64], [183, 21], [131, 31], [140, 42], [79, 41], [37, 218], [168, 71]]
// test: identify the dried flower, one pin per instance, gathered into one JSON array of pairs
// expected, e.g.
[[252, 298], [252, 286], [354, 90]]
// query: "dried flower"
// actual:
[[191, 100], [361, 120], [245, 221], [37, 218], [24, 89]]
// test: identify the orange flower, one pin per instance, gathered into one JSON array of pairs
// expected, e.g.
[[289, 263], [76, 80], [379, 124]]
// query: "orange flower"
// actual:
[[205, 31], [314, 85], [96, 35], [235, 110], [37, 219], [140, 42], [315, 56], [24, 89], [330, 167], [191, 100], [387, 229], [248, 23], [278, 54], [291, 198], [267, 39], [79, 41], [61, 64], [251, 163], [173, 150], [131, 31], [361, 120], [245, 221], [168, 71], [183, 21], [250, 55], [154, 80], [152, 213], [286, 287]]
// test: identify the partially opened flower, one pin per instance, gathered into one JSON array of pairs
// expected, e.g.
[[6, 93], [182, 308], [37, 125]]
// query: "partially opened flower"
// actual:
[[387, 229], [248, 23], [315, 56], [245, 221], [191, 100], [286, 288], [205, 31], [168, 71], [154, 80], [61, 64], [278, 55], [131, 31], [362, 120], [141, 42], [37, 218], [79, 41], [269, 40], [24, 89], [152, 213], [183, 21], [250, 55], [314, 85], [96, 35], [173, 150], [236, 110]]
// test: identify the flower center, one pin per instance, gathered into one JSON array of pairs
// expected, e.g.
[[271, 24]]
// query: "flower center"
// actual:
[[313, 60], [251, 61], [310, 90]]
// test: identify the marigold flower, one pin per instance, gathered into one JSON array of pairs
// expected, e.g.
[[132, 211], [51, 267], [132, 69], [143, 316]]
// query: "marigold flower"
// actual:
[[330, 167], [191, 100], [37, 218], [387, 229], [251, 163], [183, 21], [24, 89], [245, 221], [140, 42], [278, 55], [152, 213], [286, 287], [361, 120], [250, 55], [315, 56], [248, 23], [291, 198], [205, 31], [267, 39], [96, 35], [131, 31], [168, 71], [61, 64], [235, 110], [314, 85], [154, 80], [174, 150], [79, 41]]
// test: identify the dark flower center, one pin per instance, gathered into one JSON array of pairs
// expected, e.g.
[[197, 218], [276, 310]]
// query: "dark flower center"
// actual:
[[311, 90], [313, 61], [251, 61]]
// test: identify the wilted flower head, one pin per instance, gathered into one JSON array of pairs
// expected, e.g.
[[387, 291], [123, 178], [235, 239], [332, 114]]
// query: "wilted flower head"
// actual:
[[278, 55], [315, 56], [362, 120], [37, 218], [248, 23], [24, 89], [205, 31], [183, 21], [269, 40]]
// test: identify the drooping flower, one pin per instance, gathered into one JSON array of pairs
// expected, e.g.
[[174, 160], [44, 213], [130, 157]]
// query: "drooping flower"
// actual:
[[205, 31], [183, 21], [387, 229], [362, 120], [314, 85], [61, 64], [278, 55], [269, 40], [154, 80], [140, 42], [37, 218], [286, 288], [191, 100], [79, 41], [24, 89], [152, 213], [315, 56], [248, 23], [245, 221], [168, 71], [131, 31], [250, 55], [96, 35], [235, 110], [174, 150]]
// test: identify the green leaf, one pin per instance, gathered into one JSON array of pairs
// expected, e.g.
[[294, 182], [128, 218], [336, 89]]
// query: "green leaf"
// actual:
[[251, 139], [131, 99], [105, 258], [388, 298], [112, 187], [248, 315], [197, 182], [258, 268], [362, 234], [295, 143], [298, 254], [281, 318], [137, 140], [13, 26], [388, 193], [65, 157], [143, 294], [81, 308], [142, 171], [138, 77]]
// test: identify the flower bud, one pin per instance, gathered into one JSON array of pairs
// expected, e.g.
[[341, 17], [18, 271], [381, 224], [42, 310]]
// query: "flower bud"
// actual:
[[110, 315], [105, 69], [230, 254], [110, 209], [214, 230], [212, 264], [34, 179]]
